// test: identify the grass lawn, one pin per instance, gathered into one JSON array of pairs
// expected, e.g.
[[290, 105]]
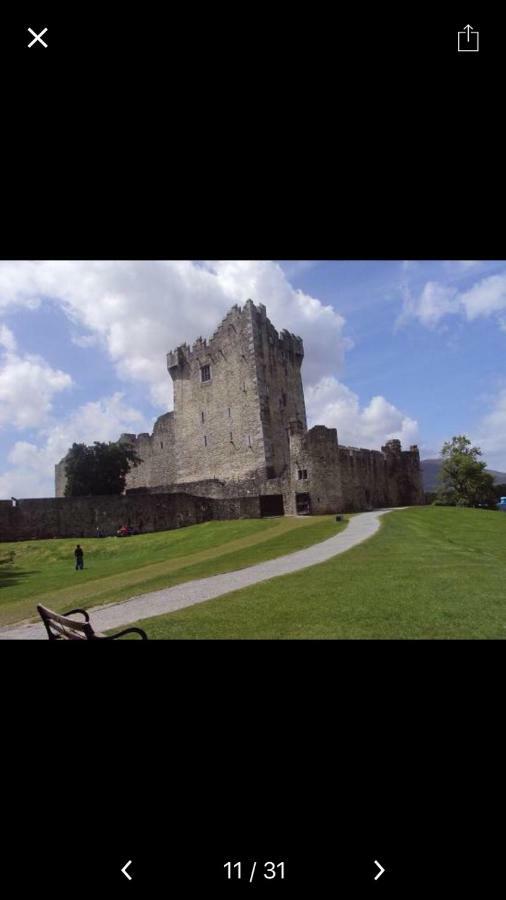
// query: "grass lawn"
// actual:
[[430, 572], [34, 572]]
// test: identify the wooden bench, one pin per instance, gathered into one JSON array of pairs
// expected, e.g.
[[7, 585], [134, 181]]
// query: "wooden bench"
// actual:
[[62, 628]]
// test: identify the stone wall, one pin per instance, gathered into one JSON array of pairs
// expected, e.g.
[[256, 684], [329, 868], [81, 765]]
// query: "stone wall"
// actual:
[[404, 474], [364, 479], [314, 470], [157, 452], [80, 516], [337, 479], [211, 487], [371, 479], [218, 425], [278, 360], [241, 430], [60, 479]]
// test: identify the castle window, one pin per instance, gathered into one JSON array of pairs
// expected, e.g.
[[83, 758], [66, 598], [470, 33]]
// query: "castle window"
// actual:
[[205, 373], [202, 416], [231, 438], [161, 445], [205, 440], [302, 474], [249, 440], [229, 413], [283, 400]]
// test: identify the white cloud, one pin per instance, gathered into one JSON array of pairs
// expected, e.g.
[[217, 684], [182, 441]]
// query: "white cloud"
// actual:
[[320, 325], [31, 472], [140, 310], [84, 340], [436, 300], [458, 266], [486, 297], [137, 311], [491, 436], [7, 339], [333, 404], [27, 387], [295, 268]]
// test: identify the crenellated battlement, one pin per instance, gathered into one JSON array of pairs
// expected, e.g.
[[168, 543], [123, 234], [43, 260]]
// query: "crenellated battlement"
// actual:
[[250, 317]]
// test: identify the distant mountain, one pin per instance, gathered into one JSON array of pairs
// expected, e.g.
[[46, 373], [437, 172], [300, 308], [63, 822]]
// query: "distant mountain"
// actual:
[[431, 467]]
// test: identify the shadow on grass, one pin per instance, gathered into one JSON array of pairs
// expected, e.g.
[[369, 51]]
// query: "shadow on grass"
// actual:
[[9, 577]]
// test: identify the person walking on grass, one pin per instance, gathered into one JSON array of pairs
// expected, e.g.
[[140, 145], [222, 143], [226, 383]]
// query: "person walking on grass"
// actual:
[[79, 555]]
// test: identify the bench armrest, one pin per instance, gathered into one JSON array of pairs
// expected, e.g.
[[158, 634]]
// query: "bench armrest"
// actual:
[[112, 637], [72, 612]]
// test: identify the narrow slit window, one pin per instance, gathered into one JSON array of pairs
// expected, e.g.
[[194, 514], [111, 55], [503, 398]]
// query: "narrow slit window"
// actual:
[[161, 445], [205, 374], [205, 440], [202, 416]]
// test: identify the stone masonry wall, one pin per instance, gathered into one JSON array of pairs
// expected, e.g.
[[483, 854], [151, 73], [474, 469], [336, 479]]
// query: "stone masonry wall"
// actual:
[[364, 479], [217, 421], [60, 479], [372, 479], [80, 516], [155, 450], [404, 474], [279, 383], [314, 470], [157, 453], [242, 432], [235, 423]]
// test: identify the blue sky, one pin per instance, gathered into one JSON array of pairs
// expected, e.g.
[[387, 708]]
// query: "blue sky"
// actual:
[[408, 349]]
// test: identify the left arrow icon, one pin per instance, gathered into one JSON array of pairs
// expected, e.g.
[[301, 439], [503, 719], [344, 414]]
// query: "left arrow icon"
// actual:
[[124, 870]]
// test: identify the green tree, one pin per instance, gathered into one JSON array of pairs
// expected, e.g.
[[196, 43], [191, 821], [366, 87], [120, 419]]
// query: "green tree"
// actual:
[[500, 491], [463, 479], [99, 469]]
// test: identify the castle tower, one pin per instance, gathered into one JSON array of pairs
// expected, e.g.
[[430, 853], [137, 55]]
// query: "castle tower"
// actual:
[[279, 382], [234, 398], [404, 474]]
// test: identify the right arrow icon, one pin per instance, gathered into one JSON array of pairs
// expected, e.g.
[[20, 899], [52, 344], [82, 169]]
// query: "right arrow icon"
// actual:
[[381, 870]]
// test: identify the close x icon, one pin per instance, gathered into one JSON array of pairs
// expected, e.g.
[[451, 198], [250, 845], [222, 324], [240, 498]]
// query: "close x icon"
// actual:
[[36, 36]]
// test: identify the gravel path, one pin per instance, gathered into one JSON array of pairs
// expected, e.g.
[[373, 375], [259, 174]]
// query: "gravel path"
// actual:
[[119, 615]]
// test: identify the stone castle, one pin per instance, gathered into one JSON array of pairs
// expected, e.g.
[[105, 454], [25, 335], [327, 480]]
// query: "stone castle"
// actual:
[[239, 429]]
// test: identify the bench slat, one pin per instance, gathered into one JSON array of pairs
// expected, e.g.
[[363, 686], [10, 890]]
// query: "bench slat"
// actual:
[[66, 628], [63, 628]]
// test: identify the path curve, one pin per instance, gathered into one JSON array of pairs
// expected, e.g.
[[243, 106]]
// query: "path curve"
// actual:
[[156, 603]]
